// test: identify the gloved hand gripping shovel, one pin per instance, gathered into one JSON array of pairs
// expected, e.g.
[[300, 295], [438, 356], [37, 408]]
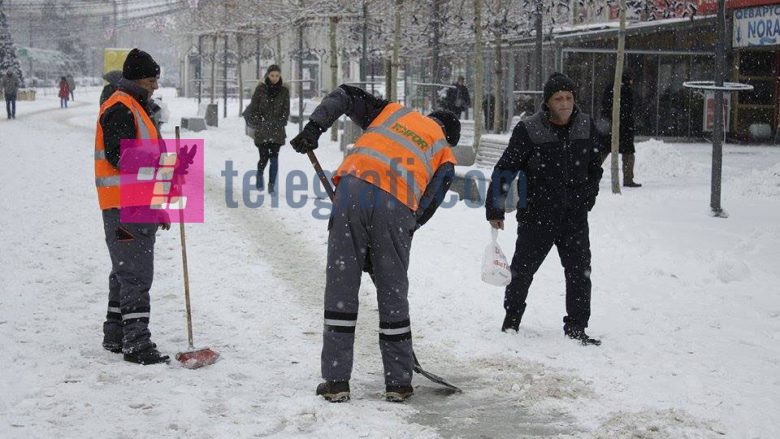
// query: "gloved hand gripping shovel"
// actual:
[[326, 184], [193, 358]]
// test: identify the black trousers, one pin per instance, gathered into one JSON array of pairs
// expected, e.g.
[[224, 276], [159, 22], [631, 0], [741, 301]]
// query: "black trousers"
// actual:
[[131, 247], [537, 232], [268, 151]]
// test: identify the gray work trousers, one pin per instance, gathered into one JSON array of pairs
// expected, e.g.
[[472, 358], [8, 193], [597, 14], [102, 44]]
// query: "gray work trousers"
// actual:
[[368, 221], [131, 247]]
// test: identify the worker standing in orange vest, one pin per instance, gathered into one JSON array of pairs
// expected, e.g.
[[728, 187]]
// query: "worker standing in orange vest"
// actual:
[[124, 115], [388, 185]]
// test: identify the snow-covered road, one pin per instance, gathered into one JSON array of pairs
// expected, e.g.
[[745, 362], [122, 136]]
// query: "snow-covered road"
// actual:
[[687, 306]]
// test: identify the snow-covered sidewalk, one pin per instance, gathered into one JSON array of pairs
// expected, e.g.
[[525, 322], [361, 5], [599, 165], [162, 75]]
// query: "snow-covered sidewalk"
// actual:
[[686, 304]]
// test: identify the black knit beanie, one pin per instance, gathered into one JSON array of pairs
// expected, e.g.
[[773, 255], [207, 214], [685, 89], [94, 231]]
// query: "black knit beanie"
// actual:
[[139, 65], [451, 125], [558, 82]]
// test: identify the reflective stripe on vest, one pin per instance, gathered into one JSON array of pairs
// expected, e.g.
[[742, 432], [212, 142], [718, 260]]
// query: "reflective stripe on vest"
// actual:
[[107, 181], [392, 164], [401, 150]]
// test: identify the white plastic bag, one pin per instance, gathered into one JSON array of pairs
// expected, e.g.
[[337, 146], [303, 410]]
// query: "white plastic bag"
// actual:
[[495, 269]]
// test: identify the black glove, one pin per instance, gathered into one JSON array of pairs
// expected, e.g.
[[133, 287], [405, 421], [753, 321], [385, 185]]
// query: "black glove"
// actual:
[[163, 220], [307, 139]]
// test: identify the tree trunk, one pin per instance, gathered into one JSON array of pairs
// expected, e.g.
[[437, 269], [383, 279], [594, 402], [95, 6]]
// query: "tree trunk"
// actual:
[[539, 67], [498, 109], [213, 68], [396, 46], [435, 50], [616, 99], [479, 72], [240, 77], [334, 70], [278, 54]]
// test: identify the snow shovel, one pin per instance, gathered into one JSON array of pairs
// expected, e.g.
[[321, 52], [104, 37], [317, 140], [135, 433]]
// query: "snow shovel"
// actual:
[[417, 368], [193, 358]]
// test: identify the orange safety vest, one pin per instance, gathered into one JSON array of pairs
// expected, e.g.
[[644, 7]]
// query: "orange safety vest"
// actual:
[[107, 177], [399, 153]]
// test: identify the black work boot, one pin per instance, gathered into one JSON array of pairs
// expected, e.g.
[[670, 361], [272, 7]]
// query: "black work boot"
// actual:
[[578, 333], [334, 391], [512, 320], [260, 185], [147, 356], [112, 346], [112, 336], [632, 184], [398, 393]]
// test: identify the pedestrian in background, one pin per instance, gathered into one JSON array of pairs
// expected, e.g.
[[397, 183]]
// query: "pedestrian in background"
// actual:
[[267, 115], [10, 86], [112, 78], [71, 85], [64, 93], [458, 99], [626, 146]]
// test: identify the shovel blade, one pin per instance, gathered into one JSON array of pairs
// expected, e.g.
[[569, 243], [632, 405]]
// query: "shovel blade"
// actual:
[[197, 358]]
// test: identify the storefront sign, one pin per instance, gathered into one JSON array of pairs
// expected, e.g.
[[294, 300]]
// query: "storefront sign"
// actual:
[[709, 111], [709, 7], [757, 26]]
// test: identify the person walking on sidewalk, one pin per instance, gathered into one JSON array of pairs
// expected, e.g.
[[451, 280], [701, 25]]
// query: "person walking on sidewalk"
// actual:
[[388, 185], [10, 86], [125, 115], [557, 149], [71, 85], [267, 114], [626, 146], [64, 93]]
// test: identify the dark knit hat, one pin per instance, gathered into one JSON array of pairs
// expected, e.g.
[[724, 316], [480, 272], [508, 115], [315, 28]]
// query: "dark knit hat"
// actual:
[[273, 68], [139, 65], [451, 125], [558, 82]]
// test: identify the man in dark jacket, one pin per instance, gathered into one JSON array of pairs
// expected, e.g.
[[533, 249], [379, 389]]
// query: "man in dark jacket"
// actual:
[[130, 244], [458, 99], [267, 114], [388, 185], [10, 86], [557, 149], [626, 143]]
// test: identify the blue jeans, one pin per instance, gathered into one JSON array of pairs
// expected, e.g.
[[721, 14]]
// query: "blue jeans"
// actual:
[[63, 103], [10, 105]]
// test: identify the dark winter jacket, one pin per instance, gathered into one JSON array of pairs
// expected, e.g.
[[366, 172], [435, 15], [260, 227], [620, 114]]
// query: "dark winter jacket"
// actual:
[[626, 116], [561, 164], [458, 98], [268, 111], [363, 108], [118, 122], [10, 84], [112, 78]]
